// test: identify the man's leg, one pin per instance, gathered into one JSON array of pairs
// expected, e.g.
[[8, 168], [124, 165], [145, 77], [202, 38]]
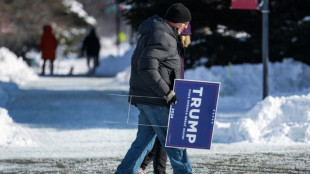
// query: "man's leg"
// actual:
[[139, 148], [158, 115]]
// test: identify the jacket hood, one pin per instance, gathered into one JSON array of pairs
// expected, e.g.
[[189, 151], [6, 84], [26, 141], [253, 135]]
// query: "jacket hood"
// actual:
[[93, 32], [157, 23], [47, 29]]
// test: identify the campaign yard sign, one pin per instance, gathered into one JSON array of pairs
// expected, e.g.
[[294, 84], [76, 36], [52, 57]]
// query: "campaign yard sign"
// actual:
[[191, 120]]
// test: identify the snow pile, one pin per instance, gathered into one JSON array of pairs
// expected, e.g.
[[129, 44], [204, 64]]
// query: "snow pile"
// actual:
[[14, 69], [246, 79], [108, 48], [112, 65], [77, 7], [278, 119], [123, 77], [274, 120], [289, 76], [11, 133], [34, 56]]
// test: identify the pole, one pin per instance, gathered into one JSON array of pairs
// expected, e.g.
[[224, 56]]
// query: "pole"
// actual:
[[118, 21], [265, 45]]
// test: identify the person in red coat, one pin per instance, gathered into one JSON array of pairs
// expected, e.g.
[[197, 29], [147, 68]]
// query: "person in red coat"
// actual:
[[48, 45]]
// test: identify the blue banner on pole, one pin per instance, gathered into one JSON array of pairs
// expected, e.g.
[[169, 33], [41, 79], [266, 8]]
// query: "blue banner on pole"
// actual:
[[191, 120]]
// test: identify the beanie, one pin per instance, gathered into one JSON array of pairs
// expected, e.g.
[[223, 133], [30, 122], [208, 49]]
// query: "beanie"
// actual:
[[178, 13]]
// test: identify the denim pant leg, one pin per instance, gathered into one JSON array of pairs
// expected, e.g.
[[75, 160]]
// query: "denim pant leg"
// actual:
[[158, 115], [139, 148]]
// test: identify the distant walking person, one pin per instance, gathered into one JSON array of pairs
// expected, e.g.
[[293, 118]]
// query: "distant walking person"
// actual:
[[91, 45], [48, 45]]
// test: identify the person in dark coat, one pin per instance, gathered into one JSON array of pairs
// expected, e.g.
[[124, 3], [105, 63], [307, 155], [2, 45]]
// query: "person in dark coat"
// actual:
[[91, 45], [48, 45], [158, 154], [155, 64]]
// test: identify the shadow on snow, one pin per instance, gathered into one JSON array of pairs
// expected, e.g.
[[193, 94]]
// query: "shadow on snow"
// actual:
[[71, 109]]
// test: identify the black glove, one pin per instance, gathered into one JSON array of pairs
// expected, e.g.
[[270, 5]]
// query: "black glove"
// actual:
[[171, 98]]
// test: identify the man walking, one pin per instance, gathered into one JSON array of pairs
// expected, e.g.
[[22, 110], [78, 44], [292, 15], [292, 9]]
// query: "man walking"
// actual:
[[154, 66]]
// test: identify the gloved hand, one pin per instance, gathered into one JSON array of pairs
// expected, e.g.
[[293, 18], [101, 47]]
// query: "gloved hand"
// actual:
[[171, 98]]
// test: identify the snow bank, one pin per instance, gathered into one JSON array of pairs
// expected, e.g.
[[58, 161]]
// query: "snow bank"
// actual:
[[14, 69], [11, 133], [108, 48], [246, 79], [274, 120], [114, 64], [123, 77], [289, 76]]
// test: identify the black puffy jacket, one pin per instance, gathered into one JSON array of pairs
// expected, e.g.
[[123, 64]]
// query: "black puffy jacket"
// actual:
[[155, 62]]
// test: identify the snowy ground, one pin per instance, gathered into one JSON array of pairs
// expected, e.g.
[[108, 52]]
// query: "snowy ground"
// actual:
[[202, 164], [72, 124]]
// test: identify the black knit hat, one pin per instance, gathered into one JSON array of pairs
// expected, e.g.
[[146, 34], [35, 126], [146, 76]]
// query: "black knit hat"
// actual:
[[178, 13]]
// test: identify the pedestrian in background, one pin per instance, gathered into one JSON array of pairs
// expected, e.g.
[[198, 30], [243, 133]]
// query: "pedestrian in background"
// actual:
[[154, 66], [48, 45], [91, 45]]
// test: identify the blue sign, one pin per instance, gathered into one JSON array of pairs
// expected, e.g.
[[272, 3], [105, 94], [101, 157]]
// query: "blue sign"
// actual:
[[191, 120]]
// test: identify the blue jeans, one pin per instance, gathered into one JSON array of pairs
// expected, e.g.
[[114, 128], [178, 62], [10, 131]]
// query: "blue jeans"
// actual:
[[153, 115]]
